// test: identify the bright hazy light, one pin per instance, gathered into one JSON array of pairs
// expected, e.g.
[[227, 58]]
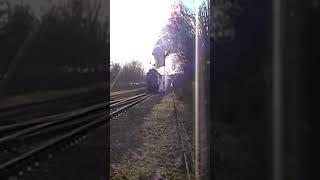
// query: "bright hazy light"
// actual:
[[172, 65], [135, 27]]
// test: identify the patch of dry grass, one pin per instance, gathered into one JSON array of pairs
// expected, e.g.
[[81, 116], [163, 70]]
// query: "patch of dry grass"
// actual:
[[160, 149]]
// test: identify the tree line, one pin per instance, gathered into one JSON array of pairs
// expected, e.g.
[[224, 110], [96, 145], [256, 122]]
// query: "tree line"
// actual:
[[73, 34], [131, 73]]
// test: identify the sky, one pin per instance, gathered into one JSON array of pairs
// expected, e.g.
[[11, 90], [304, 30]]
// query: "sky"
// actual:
[[135, 27]]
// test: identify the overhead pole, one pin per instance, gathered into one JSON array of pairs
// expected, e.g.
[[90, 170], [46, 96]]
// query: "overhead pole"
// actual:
[[164, 71]]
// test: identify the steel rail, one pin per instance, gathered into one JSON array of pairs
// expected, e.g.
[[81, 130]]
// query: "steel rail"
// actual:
[[64, 115], [186, 164], [6, 166], [77, 121], [13, 110]]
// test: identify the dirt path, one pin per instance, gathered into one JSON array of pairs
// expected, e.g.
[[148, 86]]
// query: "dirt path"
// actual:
[[143, 146]]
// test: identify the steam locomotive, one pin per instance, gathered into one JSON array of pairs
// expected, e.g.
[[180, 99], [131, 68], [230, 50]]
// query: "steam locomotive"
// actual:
[[153, 80]]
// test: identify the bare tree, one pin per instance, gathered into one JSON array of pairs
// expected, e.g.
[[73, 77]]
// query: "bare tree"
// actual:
[[224, 13], [177, 36], [132, 72], [18, 18], [72, 34], [115, 70]]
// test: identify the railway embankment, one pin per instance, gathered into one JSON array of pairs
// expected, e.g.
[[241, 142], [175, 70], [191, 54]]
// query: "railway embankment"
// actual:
[[49, 95], [145, 142]]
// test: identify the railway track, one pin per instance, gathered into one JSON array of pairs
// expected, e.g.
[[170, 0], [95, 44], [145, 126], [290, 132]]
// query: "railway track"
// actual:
[[185, 140], [24, 144], [52, 106], [24, 112]]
